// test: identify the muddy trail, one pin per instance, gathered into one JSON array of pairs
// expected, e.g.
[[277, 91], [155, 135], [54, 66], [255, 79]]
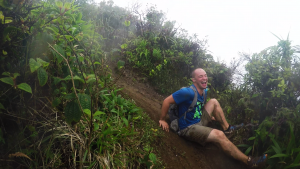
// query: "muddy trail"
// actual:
[[176, 152]]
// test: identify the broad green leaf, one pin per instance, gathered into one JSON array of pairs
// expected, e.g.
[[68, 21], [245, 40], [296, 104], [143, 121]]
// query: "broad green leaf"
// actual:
[[251, 138], [44, 63], [97, 63], [120, 64], [78, 78], [56, 102], [127, 23], [6, 73], [84, 75], [91, 80], [70, 96], [10, 29], [124, 46], [56, 80], [91, 76], [8, 20], [2, 107], [68, 77], [25, 87], [74, 77], [97, 113], [85, 101], [33, 65], [16, 75], [72, 112], [87, 111], [80, 58], [79, 16], [4, 52], [68, 37], [56, 92], [8, 80], [49, 28], [67, 5], [152, 157], [42, 76], [79, 37], [59, 4], [96, 126], [255, 95], [71, 17], [60, 50]]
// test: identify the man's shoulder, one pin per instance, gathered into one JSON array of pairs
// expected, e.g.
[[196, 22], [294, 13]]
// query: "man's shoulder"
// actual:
[[182, 95], [187, 90]]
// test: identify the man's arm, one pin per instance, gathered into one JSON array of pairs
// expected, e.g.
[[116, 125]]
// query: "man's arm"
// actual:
[[164, 110]]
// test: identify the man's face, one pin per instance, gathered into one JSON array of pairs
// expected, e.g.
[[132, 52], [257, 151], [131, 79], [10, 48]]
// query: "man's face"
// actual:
[[200, 78]]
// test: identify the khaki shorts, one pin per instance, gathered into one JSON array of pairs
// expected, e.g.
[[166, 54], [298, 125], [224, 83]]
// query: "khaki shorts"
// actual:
[[198, 132]]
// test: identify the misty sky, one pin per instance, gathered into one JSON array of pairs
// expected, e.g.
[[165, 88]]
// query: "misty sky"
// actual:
[[233, 26]]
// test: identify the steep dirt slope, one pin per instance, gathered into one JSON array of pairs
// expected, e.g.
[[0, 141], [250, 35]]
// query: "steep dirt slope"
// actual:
[[175, 151]]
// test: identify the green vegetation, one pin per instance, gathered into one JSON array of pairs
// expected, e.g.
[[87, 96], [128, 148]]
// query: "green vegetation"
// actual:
[[272, 81], [58, 104]]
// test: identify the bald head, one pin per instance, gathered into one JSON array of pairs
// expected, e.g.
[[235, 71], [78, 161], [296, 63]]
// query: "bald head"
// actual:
[[196, 71], [199, 79]]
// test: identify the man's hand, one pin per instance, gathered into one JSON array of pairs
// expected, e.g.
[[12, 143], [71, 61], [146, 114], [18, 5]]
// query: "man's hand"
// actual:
[[164, 125]]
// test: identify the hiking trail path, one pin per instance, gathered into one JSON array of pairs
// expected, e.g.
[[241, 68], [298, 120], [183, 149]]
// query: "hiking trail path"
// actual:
[[175, 152]]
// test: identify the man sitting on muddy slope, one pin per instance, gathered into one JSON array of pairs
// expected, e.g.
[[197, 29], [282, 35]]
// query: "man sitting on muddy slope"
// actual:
[[194, 126]]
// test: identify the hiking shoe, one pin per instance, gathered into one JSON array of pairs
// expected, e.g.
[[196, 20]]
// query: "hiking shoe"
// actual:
[[231, 129], [257, 162]]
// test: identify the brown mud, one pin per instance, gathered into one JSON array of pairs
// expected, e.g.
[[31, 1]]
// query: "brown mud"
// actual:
[[176, 152]]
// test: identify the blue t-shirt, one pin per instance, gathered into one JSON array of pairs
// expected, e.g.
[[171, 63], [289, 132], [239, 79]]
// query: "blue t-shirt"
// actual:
[[184, 98]]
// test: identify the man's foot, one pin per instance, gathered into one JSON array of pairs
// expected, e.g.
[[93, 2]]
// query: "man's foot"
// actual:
[[257, 162], [231, 129]]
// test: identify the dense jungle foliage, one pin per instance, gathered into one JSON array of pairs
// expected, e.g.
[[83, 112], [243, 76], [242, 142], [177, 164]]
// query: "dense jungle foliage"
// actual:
[[59, 108], [59, 105]]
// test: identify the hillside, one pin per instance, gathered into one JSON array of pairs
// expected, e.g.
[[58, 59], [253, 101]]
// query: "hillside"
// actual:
[[175, 151]]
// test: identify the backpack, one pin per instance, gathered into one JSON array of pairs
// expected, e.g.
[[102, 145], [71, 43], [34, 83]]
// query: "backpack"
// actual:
[[173, 111]]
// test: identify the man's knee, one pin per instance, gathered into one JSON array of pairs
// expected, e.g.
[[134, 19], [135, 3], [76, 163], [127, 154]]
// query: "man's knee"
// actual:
[[211, 105], [214, 101], [216, 136]]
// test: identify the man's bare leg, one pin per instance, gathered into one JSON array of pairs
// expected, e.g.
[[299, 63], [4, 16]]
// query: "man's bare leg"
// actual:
[[218, 137], [214, 109]]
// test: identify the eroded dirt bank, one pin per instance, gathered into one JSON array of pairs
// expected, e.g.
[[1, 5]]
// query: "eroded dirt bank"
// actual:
[[175, 151]]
